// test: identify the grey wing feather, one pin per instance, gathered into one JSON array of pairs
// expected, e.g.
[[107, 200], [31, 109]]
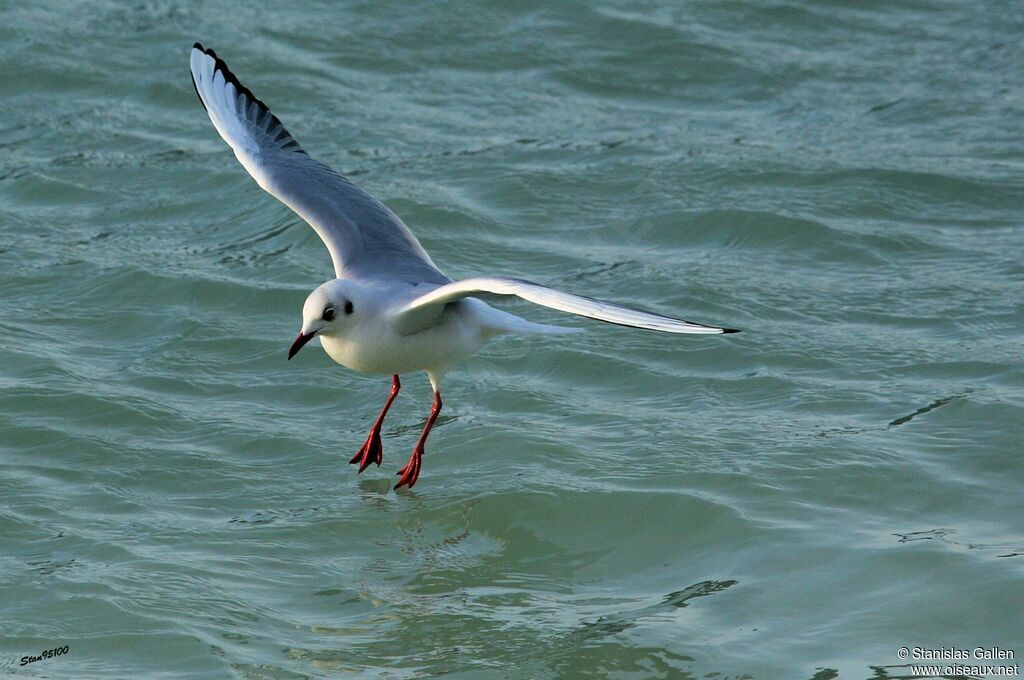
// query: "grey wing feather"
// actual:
[[365, 239], [421, 311]]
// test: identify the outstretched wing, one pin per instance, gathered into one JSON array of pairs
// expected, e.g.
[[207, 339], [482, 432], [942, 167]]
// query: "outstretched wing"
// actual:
[[365, 239], [423, 310]]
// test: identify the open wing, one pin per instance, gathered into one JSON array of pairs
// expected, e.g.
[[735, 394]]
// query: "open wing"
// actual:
[[365, 239], [422, 311]]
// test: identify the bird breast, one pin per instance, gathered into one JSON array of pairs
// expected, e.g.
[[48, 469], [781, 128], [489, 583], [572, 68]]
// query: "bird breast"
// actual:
[[379, 348]]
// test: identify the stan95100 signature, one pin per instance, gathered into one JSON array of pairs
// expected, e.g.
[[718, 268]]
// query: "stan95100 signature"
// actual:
[[47, 654]]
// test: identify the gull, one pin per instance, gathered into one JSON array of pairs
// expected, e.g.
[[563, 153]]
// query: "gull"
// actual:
[[389, 310]]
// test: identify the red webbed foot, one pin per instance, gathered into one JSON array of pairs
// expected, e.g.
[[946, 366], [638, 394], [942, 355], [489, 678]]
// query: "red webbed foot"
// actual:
[[372, 451], [408, 475], [411, 472]]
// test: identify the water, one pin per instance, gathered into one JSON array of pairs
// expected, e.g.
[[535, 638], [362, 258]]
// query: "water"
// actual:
[[843, 181]]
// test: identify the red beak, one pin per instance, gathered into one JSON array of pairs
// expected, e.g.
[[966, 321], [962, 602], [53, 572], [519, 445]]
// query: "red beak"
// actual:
[[299, 342]]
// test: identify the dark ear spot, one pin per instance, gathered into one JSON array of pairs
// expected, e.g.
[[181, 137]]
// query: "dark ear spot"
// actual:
[[348, 306]]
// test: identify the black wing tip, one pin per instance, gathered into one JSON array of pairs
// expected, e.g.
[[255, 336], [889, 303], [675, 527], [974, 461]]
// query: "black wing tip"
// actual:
[[731, 330], [220, 65], [205, 50]]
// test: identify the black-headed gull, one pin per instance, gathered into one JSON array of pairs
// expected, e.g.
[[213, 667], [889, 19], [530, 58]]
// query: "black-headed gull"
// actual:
[[390, 310]]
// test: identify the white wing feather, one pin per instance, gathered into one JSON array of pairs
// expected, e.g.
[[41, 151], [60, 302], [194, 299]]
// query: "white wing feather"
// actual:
[[423, 310], [365, 239]]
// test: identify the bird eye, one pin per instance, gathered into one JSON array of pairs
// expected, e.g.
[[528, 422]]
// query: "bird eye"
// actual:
[[348, 307], [329, 314]]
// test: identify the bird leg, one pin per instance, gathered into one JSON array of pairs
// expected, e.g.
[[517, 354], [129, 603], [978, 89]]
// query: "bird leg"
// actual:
[[372, 450], [411, 472]]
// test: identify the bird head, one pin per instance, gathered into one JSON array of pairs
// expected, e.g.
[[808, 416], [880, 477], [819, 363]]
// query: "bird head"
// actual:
[[329, 310]]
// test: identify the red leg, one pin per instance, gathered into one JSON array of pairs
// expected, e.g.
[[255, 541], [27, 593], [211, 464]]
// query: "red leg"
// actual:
[[411, 472], [372, 450]]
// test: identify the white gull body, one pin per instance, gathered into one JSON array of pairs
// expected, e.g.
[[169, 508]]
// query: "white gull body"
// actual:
[[389, 310]]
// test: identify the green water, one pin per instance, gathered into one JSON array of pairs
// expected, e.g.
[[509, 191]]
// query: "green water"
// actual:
[[843, 181]]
